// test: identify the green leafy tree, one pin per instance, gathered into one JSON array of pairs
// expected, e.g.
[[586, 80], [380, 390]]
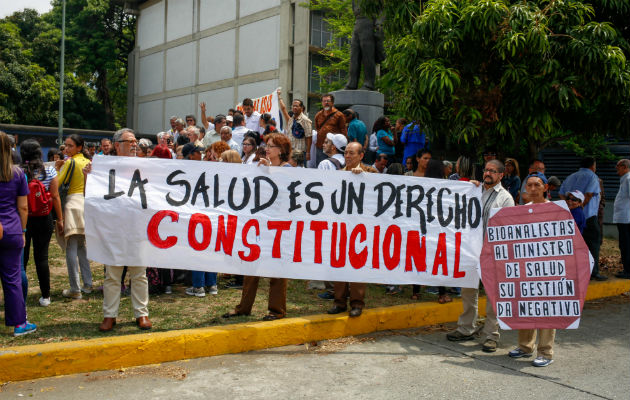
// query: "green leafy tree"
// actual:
[[99, 38], [492, 71], [522, 74]]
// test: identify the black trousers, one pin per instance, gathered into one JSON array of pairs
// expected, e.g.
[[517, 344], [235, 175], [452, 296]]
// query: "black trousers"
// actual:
[[592, 235], [39, 230], [624, 246]]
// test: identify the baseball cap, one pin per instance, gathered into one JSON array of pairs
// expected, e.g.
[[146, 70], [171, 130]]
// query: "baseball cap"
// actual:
[[338, 140], [578, 195]]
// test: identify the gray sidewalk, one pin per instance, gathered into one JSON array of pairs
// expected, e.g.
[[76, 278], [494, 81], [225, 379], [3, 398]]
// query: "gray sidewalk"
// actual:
[[591, 362]]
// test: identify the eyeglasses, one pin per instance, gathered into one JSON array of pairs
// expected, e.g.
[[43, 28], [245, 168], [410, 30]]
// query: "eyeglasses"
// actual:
[[492, 171], [130, 141]]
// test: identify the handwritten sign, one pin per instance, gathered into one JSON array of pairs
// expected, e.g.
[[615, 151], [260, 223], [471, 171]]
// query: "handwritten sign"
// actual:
[[535, 267]]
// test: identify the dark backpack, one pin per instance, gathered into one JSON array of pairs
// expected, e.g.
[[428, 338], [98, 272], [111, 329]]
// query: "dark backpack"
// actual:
[[335, 162], [39, 199]]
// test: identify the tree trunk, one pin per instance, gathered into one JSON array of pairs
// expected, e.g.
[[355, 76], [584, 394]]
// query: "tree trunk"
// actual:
[[102, 92]]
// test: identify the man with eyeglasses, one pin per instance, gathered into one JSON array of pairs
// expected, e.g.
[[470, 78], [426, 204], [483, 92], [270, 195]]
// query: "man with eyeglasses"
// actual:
[[621, 215], [126, 145], [494, 196]]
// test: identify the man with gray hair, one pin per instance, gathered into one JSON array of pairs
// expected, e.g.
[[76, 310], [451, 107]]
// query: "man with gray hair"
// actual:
[[621, 215], [226, 136], [192, 132], [172, 122], [126, 145], [493, 196]]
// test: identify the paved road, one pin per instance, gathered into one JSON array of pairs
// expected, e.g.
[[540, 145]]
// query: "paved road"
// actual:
[[591, 362]]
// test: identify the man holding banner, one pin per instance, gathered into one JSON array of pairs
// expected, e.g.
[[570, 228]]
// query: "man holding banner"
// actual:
[[493, 196], [355, 291], [125, 144]]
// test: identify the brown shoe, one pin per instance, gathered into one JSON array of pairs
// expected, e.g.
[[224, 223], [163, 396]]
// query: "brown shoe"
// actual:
[[144, 323], [107, 325]]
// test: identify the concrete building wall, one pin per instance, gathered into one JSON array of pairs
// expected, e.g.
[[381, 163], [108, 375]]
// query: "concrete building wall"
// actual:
[[216, 51]]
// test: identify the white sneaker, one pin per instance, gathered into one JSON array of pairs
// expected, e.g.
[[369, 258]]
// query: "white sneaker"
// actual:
[[168, 290], [193, 291], [213, 289], [44, 302], [542, 361]]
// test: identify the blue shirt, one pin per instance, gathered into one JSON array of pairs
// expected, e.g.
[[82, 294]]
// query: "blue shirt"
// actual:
[[578, 216], [382, 146], [357, 131], [414, 140], [585, 181]]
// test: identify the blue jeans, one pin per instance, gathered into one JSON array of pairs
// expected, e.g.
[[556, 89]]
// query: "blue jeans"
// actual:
[[202, 278]]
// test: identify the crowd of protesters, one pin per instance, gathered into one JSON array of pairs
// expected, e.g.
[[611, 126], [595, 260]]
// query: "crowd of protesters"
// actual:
[[331, 140]]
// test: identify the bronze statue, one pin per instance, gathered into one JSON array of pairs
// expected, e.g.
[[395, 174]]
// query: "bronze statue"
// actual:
[[366, 48]]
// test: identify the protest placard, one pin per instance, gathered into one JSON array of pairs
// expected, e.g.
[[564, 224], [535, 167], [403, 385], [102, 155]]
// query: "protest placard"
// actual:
[[283, 222], [535, 266]]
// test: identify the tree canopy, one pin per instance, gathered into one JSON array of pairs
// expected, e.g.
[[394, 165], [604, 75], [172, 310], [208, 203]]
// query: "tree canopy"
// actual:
[[99, 36], [525, 73]]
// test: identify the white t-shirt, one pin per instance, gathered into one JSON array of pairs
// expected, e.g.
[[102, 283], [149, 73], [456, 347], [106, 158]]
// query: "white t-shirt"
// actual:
[[250, 159], [373, 144], [234, 146], [327, 165], [253, 123], [238, 134]]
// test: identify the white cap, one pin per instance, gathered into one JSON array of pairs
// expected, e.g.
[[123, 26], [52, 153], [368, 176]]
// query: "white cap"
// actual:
[[338, 140], [578, 195], [229, 118]]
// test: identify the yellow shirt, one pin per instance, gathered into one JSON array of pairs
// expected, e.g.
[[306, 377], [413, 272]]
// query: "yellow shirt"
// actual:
[[77, 182]]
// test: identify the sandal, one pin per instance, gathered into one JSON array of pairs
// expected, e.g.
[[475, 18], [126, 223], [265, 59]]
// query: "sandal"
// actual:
[[444, 298], [271, 317]]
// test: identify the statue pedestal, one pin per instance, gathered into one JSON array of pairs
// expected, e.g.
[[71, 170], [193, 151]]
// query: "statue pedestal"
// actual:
[[366, 103]]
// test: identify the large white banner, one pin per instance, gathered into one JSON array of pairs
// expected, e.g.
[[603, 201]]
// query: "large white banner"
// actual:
[[267, 104], [283, 222]]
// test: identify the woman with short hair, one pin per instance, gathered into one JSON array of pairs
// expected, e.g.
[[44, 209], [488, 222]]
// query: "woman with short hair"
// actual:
[[278, 150]]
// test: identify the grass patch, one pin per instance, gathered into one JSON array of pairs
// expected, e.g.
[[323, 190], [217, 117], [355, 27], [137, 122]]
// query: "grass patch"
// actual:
[[66, 320]]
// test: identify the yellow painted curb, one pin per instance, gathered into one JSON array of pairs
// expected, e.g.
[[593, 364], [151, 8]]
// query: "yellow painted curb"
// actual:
[[42, 360]]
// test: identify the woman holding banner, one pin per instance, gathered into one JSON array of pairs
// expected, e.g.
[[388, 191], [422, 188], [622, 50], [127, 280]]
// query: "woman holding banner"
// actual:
[[278, 150], [536, 185]]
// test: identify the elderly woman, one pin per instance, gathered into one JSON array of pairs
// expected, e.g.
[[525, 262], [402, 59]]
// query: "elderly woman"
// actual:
[[278, 150], [74, 223], [144, 148], [536, 185], [13, 218]]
